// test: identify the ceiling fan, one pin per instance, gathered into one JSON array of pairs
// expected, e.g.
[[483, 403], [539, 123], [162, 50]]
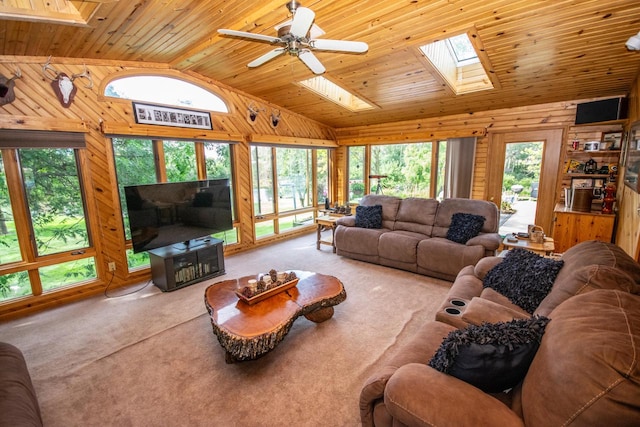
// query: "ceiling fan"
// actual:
[[297, 37]]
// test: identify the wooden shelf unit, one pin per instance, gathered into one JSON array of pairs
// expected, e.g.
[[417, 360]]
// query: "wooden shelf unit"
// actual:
[[585, 133]]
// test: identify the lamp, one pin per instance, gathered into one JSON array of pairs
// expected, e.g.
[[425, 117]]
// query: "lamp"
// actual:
[[634, 42]]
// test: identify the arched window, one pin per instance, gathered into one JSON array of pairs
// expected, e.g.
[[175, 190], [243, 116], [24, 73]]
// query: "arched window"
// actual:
[[166, 91]]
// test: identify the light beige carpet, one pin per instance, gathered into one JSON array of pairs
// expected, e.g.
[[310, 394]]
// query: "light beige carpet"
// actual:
[[151, 359]]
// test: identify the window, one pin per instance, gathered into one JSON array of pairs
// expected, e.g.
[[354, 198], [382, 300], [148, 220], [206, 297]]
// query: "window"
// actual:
[[456, 63], [356, 173], [401, 170], [53, 198], [166, 91], [334, 93], [322, 173], [462, 50], [407, 168], [286, 190], [9, 247], [180, 161]]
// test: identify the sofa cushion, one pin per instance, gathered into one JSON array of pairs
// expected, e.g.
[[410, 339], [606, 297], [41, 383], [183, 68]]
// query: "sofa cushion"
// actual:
[[601, 253], [464, 226], [390, 205], [416, 215], [524, 277], [586, 371], [444, 259], [448, 207], [584, 280], [492, 356], [369, 216], [400, 246], [356, 240]]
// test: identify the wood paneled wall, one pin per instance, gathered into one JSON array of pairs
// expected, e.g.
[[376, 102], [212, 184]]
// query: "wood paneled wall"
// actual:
[[36, 107], [559, 115]]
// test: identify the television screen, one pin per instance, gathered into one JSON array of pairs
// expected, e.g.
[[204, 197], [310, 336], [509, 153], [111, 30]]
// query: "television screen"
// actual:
[[177, 213]]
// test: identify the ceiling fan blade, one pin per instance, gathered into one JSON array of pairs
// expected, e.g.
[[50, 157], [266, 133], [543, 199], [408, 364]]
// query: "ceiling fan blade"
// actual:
[[302, 21], [339, 45], [253, 36], [311, 61], [266, 57]]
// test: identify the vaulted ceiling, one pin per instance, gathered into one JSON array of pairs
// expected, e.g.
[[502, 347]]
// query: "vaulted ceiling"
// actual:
[[535, 51]]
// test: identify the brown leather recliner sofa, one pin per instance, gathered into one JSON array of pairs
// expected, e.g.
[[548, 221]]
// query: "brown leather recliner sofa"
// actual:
[[586, 371], [18, 401], [413, 236]]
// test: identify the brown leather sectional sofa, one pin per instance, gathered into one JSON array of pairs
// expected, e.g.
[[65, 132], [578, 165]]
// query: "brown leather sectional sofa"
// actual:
[[413, 236], [18, 401], [585, 372]]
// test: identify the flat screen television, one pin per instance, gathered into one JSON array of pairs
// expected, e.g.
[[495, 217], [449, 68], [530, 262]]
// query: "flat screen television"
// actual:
[[177, 213]]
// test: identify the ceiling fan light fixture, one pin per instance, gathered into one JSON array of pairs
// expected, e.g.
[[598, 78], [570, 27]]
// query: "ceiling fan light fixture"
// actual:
[[634, 42]]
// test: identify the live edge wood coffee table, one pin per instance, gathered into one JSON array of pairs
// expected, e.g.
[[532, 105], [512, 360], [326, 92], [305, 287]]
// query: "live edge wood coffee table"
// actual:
[[247, 332]]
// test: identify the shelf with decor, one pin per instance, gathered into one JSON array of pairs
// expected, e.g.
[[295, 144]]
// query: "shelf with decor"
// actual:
[[591, 158]]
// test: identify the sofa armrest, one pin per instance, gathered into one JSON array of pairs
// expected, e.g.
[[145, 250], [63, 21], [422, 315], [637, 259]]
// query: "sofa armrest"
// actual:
[[18, 400], [419, 395], [483, 266], [419, 349], [481, 310], [490, 241], [347, 221]]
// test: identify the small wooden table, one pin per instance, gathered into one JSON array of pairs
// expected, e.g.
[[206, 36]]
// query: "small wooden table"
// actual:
[[247, 332], [544, 248], [326, 221]]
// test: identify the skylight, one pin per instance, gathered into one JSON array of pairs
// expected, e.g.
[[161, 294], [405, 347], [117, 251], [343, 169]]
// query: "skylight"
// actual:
[[52, 12], [334, 93], [166, 91], [462, 49], [456, 62]]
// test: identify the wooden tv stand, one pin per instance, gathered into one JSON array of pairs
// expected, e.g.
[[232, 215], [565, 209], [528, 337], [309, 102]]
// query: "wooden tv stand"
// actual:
[[173, 268]]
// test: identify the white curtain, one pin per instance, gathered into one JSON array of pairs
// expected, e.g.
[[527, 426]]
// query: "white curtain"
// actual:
[[459, 168]]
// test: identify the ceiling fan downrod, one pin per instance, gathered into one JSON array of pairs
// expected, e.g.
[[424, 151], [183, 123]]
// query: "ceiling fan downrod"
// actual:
[[293, 5]]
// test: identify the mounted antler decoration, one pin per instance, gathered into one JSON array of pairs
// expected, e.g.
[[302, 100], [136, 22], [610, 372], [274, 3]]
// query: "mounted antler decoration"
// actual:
[[62, 84], [275, 118], [7, 95], [252, 113]]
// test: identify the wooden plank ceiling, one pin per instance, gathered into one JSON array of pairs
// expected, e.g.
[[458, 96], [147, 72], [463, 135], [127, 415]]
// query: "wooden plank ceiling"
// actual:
[[539, 51]]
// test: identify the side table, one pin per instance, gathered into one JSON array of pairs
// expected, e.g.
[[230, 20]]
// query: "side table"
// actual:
[[545, 248], [326, 222]]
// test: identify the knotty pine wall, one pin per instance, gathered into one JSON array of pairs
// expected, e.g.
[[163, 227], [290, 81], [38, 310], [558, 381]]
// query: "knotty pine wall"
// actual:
[[36, 108], [482, 125]]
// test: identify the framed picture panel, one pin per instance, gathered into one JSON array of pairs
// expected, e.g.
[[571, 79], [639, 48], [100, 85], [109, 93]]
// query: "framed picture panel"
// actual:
[[150, 114]]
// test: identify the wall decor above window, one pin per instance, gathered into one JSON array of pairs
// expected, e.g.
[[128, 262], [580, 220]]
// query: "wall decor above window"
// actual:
[[150, 114]]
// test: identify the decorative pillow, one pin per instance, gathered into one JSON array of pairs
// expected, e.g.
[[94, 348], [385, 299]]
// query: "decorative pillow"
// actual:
[[464, 226], [493, 356], [369, 216], [524, 277]]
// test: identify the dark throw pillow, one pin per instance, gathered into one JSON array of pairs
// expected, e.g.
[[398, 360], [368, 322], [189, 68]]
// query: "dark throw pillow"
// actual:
[[524, 277], [369, 216], [464, 226], [493, 356]]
